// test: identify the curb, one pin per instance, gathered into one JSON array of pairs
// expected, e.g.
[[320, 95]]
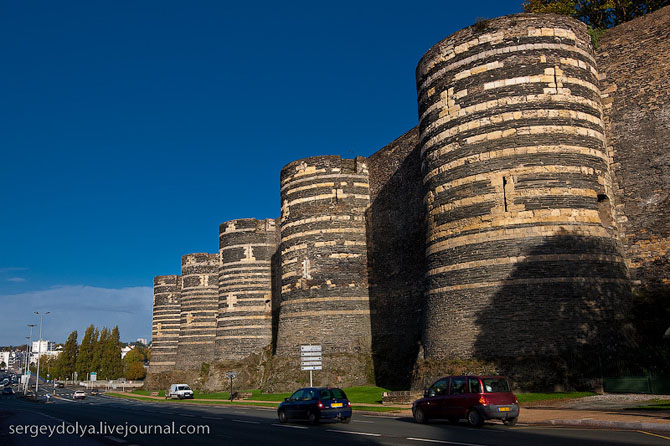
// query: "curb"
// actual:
[[629, 425]]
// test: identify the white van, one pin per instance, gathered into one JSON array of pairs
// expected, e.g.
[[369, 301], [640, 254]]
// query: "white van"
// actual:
[[179, 391]]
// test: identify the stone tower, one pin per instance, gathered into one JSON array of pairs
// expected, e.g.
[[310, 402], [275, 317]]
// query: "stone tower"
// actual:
[[165, 326], [246, 247], [199, 303], [324, 256], [521, 255]]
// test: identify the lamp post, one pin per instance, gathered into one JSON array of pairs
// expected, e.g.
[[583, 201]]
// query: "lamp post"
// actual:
[[30, 344], [39, 353]]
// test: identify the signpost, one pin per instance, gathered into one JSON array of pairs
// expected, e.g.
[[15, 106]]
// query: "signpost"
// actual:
[[310, 359], [231, 375]]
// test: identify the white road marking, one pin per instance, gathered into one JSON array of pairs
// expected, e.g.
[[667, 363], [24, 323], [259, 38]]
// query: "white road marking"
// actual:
[[288, 425], [368, 434], [118, 440], [361, 421], [186, 415], [444, 442], [377, 416], [213, 418], [245, 421]]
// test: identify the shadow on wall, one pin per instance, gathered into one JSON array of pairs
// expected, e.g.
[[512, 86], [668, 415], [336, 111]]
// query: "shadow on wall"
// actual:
[[396, 264], [565, 333]]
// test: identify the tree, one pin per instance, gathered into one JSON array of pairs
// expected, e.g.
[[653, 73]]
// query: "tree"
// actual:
[[67, 360], [136, 370], [98, 362], [112, 354], [598, 14], [86, 350]]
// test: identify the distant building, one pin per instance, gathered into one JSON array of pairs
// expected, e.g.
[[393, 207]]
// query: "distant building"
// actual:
[[41, 348], [125, 350], [142, 341]]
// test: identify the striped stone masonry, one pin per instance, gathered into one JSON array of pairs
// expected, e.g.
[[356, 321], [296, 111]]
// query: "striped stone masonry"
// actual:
[[323, 253], [502, 228], [199, 306], [165, 325], [520, 258], [244, 321]]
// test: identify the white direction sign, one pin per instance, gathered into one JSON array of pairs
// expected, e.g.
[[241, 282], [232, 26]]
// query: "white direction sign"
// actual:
[[306, 354], [311, 367], [310, 348], [308, 363]]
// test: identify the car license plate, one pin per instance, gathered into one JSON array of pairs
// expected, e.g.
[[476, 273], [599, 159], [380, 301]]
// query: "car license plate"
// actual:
[[503, 409], [336, 405]]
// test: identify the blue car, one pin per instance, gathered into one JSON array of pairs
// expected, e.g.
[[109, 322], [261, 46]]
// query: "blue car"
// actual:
[[315, 404]]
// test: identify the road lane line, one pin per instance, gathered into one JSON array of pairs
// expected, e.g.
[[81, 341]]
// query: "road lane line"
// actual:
[[361, 421], [245, 421], [213, 418], [292, 427], [117, 440], [655, 435], [429, 440], [367, 434], [186, 415]]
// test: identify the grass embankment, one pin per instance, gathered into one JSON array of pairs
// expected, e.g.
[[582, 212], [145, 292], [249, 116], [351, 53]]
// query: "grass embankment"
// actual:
[[360, 396], [654, 405]]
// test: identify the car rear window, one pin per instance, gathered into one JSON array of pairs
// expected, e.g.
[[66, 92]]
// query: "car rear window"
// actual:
[[332, 394], [495, 385]]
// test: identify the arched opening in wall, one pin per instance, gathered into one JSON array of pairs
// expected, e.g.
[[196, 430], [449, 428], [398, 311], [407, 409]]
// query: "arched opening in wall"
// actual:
[[605, 210]]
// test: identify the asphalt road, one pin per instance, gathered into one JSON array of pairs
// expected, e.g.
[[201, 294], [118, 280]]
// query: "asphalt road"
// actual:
[[232, 425]]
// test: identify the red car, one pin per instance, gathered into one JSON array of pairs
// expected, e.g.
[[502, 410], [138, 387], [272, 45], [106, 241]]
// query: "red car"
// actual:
[[475, 398]]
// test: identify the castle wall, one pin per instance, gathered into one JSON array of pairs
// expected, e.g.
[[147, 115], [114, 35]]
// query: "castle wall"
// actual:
[[519, 259], [634, 63], [324, 256], [246, 247], [396, 258], [199, 306], [165, 322]]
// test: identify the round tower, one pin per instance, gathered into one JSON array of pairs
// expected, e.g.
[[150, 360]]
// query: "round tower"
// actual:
[[199, 302], [324, 294], [519, 259], [246, 247], [165, 323]]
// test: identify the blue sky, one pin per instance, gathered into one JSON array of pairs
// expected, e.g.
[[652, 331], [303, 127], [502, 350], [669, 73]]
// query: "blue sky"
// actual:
[[129, 130]]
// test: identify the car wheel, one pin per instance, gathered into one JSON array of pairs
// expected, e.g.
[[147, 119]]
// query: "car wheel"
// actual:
[[313, 418], [475, 418], [346, 420], [282, 417], [420, 416], [510, 421]]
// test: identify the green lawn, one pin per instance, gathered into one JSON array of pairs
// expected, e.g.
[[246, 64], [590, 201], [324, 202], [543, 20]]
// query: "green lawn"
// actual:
[[530, 397], [653, 405], [361, 395]]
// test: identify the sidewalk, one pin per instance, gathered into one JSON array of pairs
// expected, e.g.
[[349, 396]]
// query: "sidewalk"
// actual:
[[607, 419]]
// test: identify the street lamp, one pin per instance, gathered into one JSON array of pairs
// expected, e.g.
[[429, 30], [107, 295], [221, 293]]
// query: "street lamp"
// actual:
[[39, 353], [30, 344]]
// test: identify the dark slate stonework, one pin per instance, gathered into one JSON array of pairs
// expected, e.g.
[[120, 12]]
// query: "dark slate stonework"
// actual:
[[199, 306], [496, 236], [165, 324], [324, 256], [396, 259], [520, 263], [634, 60], [246, 248]]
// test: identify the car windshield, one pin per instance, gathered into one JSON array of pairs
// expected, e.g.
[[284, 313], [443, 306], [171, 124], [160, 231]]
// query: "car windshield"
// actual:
[[495, 385], [183, 388]]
